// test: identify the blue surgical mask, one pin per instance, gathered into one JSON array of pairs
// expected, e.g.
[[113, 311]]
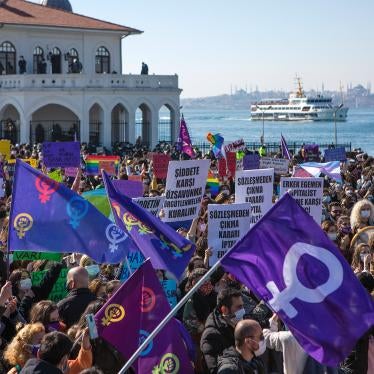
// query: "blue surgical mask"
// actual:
[[93, 270]]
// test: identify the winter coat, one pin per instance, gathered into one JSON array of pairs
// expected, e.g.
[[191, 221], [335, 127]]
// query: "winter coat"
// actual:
[[231, 362], [217, 336], [36, 366]]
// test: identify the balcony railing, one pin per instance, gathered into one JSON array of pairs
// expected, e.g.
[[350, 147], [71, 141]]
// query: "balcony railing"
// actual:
[[71, 81]]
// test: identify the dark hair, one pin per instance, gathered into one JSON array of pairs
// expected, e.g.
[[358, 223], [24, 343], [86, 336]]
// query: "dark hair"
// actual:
[[54, 346], [191, 264], [367, 280], [42, 311], [243, 331], [334, 203], [93, 370], [92, 308], [226, 295], [111, 285]]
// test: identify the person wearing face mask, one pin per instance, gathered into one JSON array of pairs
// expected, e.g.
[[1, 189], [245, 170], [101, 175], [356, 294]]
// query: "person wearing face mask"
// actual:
[[52, 356], [197, 310], [46, 312], [361, 258], [219, 327], [330, 229], [344, 237], [24, 345], [362, 215], [243, 357]]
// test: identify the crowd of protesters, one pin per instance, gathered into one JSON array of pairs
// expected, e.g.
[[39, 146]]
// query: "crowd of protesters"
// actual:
[[232, 331]]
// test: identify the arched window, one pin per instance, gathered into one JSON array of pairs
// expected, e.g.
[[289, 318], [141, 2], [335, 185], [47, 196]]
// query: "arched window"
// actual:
[[7, 58], [38, 56], [55, 58], [102, 61], [72, 57]]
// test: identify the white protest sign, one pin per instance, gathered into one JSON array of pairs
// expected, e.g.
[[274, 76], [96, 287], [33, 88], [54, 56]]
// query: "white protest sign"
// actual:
[[226, 225], [152, 204], [237, 145], [280, 165], [307, 192], [185, 187], [255, 187]]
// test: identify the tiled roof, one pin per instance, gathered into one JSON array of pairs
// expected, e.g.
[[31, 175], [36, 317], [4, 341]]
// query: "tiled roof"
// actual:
[[20, 12]]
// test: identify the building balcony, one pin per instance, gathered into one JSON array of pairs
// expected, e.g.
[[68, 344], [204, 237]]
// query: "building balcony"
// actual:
[[31, 82]]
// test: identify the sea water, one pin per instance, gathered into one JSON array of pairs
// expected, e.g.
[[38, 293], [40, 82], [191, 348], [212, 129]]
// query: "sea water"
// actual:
[[358, 129]]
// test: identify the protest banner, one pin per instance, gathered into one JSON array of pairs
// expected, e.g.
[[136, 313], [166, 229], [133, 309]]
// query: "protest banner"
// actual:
[[335, 154], [226, 225], [129, 188], [231, 163], [61, 154], [94, 164], [71, 172], [251, 162], [59, 290], [160, 165], [255, 187], [170, 289], [222, 167], [237, 145], [134, 260], [307, 192], [185, 187], [5, 148], [152, 204], [280, 165], [35, 256]]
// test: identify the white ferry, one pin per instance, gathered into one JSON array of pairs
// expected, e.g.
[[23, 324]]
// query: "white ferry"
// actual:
[[299, 107]]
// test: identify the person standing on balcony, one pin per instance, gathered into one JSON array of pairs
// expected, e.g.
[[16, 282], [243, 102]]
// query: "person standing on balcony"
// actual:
[[22, 65], [144, 69]]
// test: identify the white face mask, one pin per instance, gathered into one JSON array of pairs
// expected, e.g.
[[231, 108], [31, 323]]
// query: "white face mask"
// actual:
[[365, 213], [239, 314], [25, 284], [261, 348], [332, 235], [202, 227]]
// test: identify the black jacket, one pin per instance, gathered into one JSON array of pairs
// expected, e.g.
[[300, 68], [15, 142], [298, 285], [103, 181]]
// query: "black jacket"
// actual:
[[217, 336], [72, 307], [36, 366], [231, 362]]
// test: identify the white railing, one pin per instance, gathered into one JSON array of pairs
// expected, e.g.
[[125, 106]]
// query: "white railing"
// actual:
[[71, 81]]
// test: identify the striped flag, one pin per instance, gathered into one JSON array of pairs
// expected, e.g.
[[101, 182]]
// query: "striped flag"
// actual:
[[285, 152]]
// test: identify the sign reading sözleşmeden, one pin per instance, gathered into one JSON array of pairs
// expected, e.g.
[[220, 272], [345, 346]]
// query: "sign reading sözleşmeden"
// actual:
[[185, 187], [255, 187], [227, 223]]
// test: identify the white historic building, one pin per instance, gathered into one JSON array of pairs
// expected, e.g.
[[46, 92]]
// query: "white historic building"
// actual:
[[61, 76]]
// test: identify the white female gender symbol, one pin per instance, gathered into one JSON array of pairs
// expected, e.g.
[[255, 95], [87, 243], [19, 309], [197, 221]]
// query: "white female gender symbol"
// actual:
[[294, 289]]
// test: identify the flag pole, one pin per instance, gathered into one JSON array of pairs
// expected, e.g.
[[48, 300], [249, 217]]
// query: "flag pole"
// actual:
[[169, 317]]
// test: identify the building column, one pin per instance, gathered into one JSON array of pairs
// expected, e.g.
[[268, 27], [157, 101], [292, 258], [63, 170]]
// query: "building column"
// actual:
[[84, 127], [107, 129], [153, 138], [131, 125], [24, 131], [175, 125]]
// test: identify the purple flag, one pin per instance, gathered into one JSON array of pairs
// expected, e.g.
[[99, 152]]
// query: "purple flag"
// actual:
[[284, 147], [46, 216], [131, 189], [132, 313], [290, 263], [184, 144], [166, 248]]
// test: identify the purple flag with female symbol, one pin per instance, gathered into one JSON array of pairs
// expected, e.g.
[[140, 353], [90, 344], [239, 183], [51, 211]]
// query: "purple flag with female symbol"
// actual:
[[290, 263], [46, 216], [132, 313], [184, 144], [166, 248]]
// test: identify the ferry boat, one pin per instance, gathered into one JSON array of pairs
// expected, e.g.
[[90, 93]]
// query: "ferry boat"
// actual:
[[299, 107]]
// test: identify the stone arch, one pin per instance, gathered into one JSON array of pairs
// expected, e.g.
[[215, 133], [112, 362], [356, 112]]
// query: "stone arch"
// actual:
[[167, 122], [54, 122], [120, 117], [10, 123], [96, 124]]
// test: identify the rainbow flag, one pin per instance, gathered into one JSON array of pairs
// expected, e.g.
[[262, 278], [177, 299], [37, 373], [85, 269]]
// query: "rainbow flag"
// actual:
[[213, 184], [94, 164]]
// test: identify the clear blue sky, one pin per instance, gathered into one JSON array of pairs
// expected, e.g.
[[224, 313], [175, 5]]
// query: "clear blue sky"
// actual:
[[212, 44]]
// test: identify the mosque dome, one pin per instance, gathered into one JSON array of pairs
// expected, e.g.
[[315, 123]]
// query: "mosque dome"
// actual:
[[58, 4]]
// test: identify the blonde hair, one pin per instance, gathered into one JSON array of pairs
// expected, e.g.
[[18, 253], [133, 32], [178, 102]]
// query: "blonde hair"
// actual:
[[16, 353], [355, 214], [85, 261]]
